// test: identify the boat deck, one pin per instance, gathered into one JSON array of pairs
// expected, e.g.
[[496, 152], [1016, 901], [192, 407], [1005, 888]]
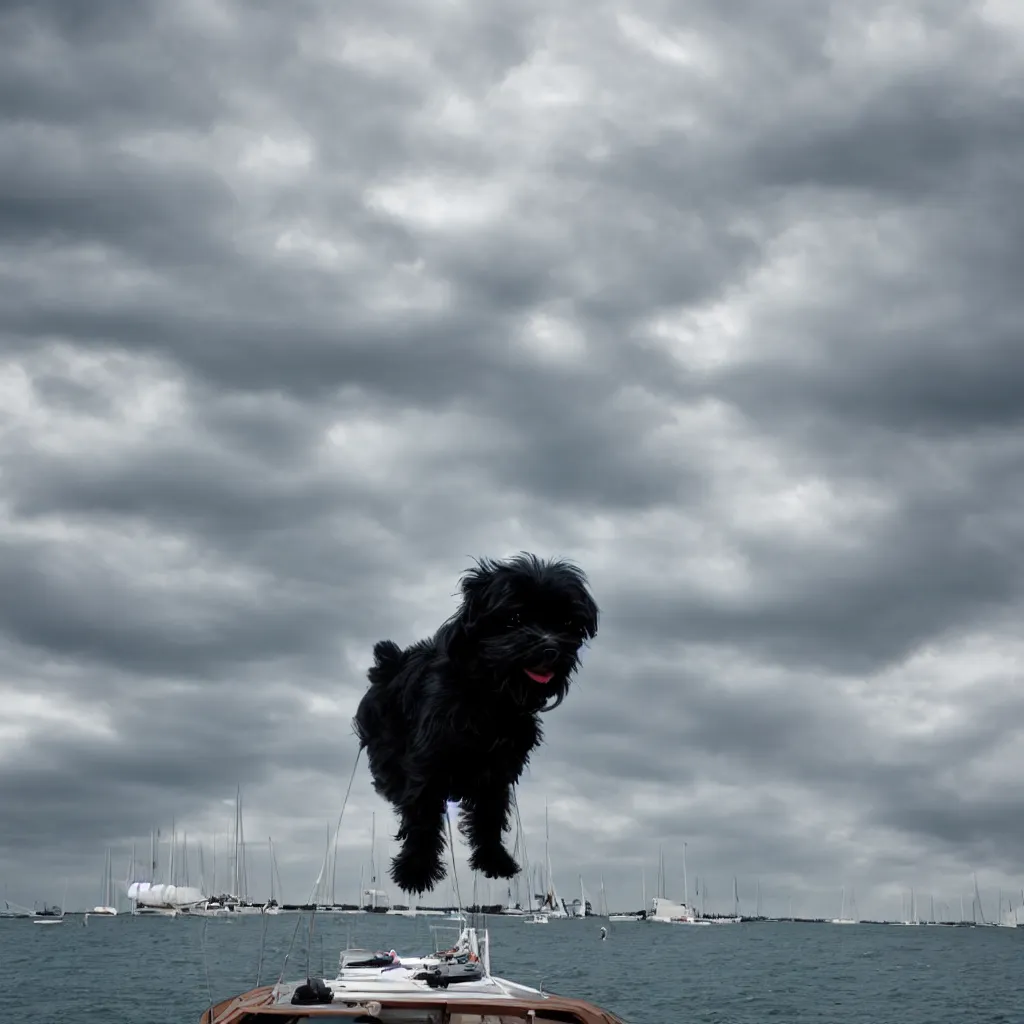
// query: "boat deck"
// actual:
[[409, 978], [454, 986]]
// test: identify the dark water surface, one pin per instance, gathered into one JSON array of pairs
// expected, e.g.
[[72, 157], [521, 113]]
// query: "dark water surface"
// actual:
[[152, 971]]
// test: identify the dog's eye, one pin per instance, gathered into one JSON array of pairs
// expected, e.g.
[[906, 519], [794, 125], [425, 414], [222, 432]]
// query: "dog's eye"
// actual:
[[514, 620]]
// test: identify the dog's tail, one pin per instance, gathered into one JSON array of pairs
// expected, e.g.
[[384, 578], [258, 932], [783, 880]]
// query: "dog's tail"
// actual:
[[387, 660]]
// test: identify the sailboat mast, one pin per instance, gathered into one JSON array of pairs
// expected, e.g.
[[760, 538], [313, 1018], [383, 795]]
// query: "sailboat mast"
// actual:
[[334, 869], [270, 847], [373, 861], [686, 887], [547, 846], [241, 849]]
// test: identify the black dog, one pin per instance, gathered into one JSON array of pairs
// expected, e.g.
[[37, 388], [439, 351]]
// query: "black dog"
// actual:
[[455, 717]]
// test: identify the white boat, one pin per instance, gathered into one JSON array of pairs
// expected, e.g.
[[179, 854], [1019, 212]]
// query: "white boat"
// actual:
[[639, 915], [666, 911], [106, 908], [164, 900], [552, 905], [842, 918], [455, 983], [1006, 917], [52, 915], [536, 919]]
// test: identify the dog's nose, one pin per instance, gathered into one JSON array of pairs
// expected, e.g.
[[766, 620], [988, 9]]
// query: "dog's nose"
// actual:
[[550, 654]]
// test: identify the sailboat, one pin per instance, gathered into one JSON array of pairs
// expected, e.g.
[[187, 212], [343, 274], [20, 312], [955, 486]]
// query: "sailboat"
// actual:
[[578, 908], [375, 901], [842, 918], [1005, 918], [513, 906], [668, 911], [640, 915], [912, 917], [272, 906], [106, 907], [552, 905], [164, 899], [52, 915]]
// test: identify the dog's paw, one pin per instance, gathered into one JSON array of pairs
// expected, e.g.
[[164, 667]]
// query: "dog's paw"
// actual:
[[495, 863], [414, 873]]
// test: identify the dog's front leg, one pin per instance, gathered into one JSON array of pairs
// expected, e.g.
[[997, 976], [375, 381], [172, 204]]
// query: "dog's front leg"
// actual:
[[484, 820], [419, 865]]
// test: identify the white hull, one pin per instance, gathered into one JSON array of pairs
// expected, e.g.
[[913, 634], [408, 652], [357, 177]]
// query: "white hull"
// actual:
[[397, 982], [666, 911]]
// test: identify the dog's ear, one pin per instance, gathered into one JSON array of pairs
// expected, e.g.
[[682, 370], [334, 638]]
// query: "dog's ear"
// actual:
[[590, 614], [476, 585], [586, 607]]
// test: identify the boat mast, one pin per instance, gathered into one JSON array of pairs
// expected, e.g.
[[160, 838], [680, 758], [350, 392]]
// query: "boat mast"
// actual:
[[686, 887], [270, 844], [373, 861]]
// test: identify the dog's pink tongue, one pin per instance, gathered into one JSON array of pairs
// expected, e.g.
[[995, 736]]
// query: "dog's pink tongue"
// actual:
[[540, 677]]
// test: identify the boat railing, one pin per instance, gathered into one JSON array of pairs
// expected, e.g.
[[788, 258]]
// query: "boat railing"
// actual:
[[465, 939]]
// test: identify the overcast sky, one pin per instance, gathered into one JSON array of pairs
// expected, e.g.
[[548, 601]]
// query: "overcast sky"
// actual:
[[302, 308]]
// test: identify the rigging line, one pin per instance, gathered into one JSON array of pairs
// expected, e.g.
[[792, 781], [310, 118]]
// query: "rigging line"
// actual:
[[521, 838], [263, 946], [455, 872], [206, 964], [316, 884]]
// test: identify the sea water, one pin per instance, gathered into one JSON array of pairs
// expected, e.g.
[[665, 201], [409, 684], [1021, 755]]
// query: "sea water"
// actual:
[[145, 970]]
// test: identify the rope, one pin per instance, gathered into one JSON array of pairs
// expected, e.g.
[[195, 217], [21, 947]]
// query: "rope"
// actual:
[[263, 946], [521, 840], [206, 966], [451, 847], [319, 877]]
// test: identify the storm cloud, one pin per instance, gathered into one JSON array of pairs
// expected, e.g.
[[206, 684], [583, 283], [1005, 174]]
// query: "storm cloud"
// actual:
[[303, 308]]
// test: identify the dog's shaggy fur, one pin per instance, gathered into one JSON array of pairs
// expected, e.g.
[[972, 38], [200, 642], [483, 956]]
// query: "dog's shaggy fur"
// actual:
[[455, 717]]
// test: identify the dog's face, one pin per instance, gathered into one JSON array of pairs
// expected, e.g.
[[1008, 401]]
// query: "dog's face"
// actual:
[[524, 620]]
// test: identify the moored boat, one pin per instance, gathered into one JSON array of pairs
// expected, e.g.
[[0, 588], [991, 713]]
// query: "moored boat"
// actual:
[[452, 984]]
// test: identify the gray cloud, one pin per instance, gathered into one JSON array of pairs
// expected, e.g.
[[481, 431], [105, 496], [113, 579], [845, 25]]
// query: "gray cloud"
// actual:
[[299, 313]]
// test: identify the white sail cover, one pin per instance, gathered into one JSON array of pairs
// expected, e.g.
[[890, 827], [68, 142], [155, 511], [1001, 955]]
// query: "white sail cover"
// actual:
[[156, 894]]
